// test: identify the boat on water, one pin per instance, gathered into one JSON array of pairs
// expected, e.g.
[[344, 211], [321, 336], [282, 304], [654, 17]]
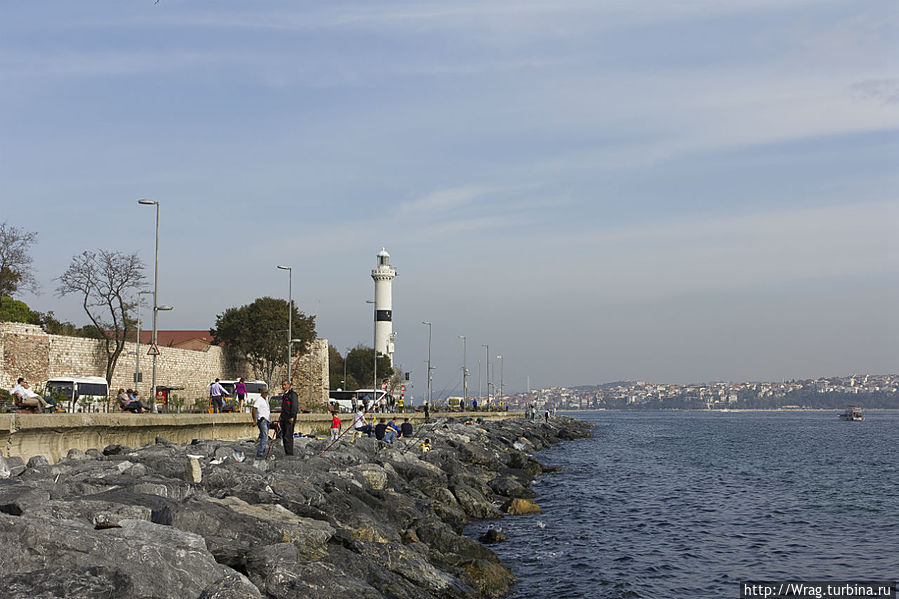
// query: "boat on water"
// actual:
[[853, 412]]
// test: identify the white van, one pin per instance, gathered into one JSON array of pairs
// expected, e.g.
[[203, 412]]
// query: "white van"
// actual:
[[254, 390], [84, 394]]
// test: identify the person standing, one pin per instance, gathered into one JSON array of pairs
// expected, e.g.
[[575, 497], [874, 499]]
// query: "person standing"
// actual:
[[427, 411], [262, 415], [216, 391], [240, 389], [335, 425], [289, 409]]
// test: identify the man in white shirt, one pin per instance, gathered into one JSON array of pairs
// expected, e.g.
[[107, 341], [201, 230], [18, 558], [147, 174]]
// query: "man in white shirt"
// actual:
[[24, 397], [262, 415], [359, 423]]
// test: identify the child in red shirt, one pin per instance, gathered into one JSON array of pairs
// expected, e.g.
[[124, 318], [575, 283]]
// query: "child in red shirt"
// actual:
[[335, 426]]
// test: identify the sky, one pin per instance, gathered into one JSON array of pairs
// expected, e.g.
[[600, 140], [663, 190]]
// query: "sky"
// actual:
[[596, 190]]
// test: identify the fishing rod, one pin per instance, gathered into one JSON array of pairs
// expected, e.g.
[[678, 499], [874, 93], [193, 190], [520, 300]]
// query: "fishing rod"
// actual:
[[340, 436]]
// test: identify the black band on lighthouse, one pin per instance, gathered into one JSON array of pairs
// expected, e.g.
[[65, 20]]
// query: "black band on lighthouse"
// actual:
[[384, 315]]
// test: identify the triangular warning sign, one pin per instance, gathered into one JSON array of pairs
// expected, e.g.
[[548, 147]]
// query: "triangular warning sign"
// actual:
[[153, 351]]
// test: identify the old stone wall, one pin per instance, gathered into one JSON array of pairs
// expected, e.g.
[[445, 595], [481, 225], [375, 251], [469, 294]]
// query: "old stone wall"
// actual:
[[26, 350]]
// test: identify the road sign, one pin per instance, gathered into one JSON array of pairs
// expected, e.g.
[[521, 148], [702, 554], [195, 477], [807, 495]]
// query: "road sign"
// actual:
[[153, 351]]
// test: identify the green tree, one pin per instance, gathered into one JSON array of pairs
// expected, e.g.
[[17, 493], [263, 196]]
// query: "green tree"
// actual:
[[335, 370], [51, 325], [15, 263], [258, 332], [107, 282], [15, 311], [360, 366]]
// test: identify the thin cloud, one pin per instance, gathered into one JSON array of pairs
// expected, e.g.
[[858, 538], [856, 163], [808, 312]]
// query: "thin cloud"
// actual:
[[444, 199]]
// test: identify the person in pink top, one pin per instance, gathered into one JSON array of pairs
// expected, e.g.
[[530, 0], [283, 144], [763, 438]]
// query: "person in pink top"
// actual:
[[240, 389]]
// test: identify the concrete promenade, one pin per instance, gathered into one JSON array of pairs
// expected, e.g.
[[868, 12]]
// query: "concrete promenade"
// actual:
[[53, 435]]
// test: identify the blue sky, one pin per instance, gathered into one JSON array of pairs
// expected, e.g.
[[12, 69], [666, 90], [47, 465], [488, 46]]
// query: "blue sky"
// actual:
[[666, 191]]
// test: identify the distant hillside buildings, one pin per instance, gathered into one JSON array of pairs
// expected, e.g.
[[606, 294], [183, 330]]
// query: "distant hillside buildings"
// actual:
[[866, 390]]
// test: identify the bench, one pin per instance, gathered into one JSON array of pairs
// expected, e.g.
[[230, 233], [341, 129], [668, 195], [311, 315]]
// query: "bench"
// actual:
[[17, 406]]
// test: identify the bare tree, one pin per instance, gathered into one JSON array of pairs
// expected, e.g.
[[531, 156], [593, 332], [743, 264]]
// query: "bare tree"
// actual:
[[106, 281], [15, 263]]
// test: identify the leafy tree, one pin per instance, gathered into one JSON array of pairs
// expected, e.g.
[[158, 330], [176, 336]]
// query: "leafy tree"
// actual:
[[15, 311], [360, 366], [258, 331], [15, 263], [56, 327], [106, 282]]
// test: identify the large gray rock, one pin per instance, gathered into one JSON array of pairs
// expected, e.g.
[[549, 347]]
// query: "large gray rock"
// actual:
[[11, 466], [140, 559], [474, 503], [17, 498]]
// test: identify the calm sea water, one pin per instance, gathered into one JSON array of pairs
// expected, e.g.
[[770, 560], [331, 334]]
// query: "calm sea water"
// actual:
[[687, 504]]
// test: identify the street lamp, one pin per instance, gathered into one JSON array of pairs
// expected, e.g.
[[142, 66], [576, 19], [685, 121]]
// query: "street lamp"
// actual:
[[344, 367], [464, 370], [487, 370], [146, 202], [289, 315], [140, 312], [429, 359], [501, 364]]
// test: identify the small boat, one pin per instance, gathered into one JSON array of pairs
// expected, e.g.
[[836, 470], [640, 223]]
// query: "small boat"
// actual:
[[853, 412]]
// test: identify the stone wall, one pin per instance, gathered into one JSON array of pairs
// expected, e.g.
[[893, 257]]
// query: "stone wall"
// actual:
[[26, 350]]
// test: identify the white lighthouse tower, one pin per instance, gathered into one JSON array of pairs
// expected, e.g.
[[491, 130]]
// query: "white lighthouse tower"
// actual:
[[383, 276]]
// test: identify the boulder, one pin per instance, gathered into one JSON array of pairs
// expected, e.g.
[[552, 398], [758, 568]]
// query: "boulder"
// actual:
[[518, 507], [192, 472], [374, 475], [116, 449], [38, 461], [492, 536], [474, 503], [66, 558], [16, 499], [11, 466], [490, 578]]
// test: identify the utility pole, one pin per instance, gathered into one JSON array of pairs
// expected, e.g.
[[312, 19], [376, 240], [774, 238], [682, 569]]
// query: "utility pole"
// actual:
[[429, 359], [464, 370]]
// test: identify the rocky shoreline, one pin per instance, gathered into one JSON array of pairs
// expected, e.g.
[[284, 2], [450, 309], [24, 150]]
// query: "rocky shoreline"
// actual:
[[366, 519]]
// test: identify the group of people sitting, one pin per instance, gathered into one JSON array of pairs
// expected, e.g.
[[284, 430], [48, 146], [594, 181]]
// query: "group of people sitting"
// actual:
[[130, 402], [383, 429], [24, 398]]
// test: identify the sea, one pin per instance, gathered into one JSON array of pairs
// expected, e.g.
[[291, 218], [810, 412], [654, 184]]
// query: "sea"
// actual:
[[688, 504]]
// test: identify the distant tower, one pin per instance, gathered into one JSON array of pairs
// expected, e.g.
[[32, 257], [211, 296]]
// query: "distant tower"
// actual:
[[383, 276]]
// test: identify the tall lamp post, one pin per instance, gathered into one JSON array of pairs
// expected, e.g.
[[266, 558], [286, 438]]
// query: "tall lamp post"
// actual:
[[487, 370], [344, 368], [289, 316], [156, 306], [429, 359], [501, 364], [140, 313], [464, 370]]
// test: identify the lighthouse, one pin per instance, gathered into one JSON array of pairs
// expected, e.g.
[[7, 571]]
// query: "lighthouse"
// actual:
[[383, 275]]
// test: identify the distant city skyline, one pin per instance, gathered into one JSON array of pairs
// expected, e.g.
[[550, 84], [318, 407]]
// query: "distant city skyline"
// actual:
[[675, 192]]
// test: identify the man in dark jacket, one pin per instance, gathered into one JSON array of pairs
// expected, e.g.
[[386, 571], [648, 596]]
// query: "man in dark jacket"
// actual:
[[289, 408]]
